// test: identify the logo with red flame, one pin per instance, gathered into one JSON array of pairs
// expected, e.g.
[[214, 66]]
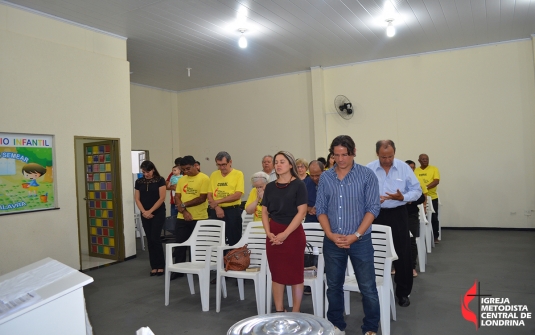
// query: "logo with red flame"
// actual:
[[465, 300], [185, 189]]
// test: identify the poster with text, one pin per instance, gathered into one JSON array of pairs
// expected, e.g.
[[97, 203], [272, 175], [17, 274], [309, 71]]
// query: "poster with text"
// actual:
[[26, 173]]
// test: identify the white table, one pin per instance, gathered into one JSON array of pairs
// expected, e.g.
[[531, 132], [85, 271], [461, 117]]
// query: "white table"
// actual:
[[61, 309]]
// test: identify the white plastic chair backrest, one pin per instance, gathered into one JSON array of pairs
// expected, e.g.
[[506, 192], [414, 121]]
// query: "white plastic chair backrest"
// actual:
[[207, 233], [383, 246], [423, 218], [255, 238], [246, 218], [430, 208], [314, 234]]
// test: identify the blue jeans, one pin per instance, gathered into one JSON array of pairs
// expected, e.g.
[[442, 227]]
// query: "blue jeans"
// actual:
[[361, 255], [174, 211]]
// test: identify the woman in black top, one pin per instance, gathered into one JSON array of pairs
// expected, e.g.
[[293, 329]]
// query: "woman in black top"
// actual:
[[284, 207], [150, 199]]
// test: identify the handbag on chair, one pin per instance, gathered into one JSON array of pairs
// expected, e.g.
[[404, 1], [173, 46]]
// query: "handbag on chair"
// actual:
[[311, 258], [238, 259]]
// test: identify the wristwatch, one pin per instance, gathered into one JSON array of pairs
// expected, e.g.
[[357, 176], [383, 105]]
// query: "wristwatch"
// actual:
[[182, 205], [359, 237]]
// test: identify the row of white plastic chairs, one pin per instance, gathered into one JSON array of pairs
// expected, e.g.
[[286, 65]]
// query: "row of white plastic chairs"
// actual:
[[207, 249], [426, 241]]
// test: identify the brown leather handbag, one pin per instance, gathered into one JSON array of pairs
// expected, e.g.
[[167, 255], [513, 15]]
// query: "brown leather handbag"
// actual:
[[238, 259]]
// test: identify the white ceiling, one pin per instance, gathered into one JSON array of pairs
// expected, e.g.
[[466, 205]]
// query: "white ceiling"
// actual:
[[285, 36]]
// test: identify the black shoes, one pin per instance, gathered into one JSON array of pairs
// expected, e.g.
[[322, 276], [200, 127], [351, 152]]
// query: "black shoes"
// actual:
[[404, 301]]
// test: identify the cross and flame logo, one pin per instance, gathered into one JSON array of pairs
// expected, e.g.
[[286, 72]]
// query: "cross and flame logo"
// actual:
[[465, 300]]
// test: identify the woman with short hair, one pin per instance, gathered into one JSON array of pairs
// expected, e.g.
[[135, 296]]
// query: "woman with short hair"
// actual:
[[259, 180], [302, 168]]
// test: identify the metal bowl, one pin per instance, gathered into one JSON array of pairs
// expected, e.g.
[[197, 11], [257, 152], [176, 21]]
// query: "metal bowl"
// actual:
[[281, 324]]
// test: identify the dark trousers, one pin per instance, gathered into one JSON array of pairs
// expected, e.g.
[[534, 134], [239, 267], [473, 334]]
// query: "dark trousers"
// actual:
[[153, 231], [397, 219], [414, 227], [233, 223], [183, 231], [174, 210], [434, 218]]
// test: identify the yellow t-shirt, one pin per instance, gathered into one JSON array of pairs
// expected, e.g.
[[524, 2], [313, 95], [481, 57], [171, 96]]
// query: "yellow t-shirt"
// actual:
[[252, 198], [427, 176], [422, 185], [221, 187], [191, 188]]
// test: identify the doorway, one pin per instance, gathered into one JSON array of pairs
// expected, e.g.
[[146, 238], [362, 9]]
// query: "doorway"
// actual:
[[98, 186]]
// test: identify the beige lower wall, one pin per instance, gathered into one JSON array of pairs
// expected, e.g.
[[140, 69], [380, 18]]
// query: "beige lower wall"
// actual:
[[66, 90], [471, 110]]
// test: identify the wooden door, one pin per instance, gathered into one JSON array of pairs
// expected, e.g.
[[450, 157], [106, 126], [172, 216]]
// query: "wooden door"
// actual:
[[104, 217]]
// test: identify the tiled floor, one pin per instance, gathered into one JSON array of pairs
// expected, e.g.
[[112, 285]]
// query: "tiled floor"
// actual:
[[89, 262], [123, 298]]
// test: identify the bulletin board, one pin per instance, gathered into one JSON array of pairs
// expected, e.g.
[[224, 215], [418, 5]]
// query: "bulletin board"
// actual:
[[26, 173]]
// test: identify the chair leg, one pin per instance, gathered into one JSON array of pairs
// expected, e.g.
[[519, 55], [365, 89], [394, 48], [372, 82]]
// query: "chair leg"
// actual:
[[224, 287], [260, 297], [204, 288], [421, 253], [317, 299], [262, 293], [268, 294], [326, 302], [290, 296], [385, 312], [167, 284], [218, 293], [346, 302], [240, 288], [428, 238], [191, 283], [392, 302]]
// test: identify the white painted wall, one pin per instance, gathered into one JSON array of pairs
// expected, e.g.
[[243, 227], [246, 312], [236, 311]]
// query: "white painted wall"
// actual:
[[471, 110], [65, 81], [248, 120]]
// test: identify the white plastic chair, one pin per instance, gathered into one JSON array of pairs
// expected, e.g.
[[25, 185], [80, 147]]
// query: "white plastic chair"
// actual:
[[139, 229], [246, 218], [420, 241], [206, 236], [314, 235], [439, 224], [255, 238], [429, 237], [384, 255]]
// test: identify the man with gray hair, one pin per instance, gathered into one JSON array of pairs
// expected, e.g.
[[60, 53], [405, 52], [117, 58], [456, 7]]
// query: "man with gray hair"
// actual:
[[315, 169], [267, 167], [224, 197], [397, 186]]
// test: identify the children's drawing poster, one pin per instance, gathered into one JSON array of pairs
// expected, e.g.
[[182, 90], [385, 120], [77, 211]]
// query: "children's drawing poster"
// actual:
[[26, 173]]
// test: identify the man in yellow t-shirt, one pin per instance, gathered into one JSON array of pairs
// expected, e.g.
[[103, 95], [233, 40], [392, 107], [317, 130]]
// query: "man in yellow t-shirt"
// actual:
[[224, 197], [190, 199], [430, 176]]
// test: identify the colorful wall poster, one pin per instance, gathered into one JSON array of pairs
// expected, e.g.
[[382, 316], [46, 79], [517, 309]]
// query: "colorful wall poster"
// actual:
[[26, 173]]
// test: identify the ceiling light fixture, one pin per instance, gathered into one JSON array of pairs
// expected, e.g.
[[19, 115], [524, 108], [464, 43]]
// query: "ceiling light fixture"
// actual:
[[390, 29], [242, 42]]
